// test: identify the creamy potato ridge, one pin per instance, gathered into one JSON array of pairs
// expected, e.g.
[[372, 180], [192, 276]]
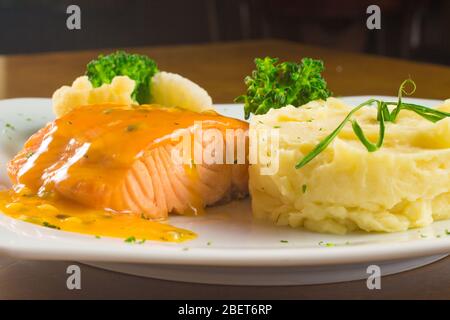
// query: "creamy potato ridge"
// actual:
[[403, 185]]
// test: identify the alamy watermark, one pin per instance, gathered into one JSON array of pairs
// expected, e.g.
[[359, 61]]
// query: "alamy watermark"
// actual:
[[73, 281], [202, 145], [374, 280], [73, 21], [373, 22]]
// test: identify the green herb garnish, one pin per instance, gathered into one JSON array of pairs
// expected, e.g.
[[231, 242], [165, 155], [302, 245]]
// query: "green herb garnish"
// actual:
[[28, 155], [383, 115], [49, 225], [132, 127], [130, 239], [274, 85], [10, 126], [304, 187], [284, 241], [326, 244]]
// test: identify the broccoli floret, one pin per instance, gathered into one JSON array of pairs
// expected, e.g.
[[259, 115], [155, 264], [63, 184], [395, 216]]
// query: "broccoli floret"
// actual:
[[275, 85], [137, 67]]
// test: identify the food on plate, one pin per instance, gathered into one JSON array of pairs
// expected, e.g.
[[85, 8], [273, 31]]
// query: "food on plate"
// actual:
[[274, 85], [332, 178], [130, 79], [82, 93], [173, 90], [123, 154], [139, 68], [62, 214], [119, 158], [106, 165]]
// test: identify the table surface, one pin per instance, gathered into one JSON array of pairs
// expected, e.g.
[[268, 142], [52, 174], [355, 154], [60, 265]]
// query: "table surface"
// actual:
[[220, 69]]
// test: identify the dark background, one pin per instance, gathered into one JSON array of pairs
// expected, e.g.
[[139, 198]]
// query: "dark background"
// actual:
[[416, 30]]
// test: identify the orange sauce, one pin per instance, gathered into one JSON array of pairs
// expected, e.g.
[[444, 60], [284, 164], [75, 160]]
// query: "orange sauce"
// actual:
[[61, 214]]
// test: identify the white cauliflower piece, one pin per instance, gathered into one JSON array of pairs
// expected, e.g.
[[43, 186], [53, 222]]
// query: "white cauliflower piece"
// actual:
[[66, 98], [173, 90]]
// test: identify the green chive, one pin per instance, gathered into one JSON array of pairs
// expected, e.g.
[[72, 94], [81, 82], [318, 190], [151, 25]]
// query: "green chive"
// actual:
[[383, 115]]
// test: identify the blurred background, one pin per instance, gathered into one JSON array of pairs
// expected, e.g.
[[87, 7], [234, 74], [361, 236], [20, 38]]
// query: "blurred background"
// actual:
[[415, 30]]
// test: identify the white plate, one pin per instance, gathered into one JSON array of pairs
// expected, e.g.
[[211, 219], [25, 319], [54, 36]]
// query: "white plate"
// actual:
[[240, 250]]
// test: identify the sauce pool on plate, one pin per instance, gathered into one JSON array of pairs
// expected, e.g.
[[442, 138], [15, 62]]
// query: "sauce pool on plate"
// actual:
[[57, 213]]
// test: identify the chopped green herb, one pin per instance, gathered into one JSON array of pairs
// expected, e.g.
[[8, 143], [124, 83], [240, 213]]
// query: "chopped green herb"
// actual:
[[62, 216], [326, 244], [185, 249], [130, 239], [304, 187], [49, 225], [97, 237], [29, 154], [284, 241], [132, 127], [276, 127], [423, 236], [447, 232], [144, 217], [142, 241], [209, 243], [10, 126]]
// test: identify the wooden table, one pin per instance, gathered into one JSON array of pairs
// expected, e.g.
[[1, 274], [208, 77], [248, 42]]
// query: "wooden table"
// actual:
[[220, 69]]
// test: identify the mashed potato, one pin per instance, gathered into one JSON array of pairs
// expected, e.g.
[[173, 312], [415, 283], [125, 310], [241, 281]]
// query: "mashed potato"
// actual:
[[405, 184]]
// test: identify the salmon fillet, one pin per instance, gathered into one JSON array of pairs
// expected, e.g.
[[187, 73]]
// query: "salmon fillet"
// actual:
[[120, 158]]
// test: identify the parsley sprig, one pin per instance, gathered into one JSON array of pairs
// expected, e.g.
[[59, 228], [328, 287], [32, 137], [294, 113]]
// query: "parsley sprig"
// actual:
[[384, 114], [275, 84]]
